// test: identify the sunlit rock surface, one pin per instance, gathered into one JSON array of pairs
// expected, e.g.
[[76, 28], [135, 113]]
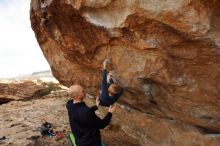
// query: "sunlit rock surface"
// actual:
[[166, 54]]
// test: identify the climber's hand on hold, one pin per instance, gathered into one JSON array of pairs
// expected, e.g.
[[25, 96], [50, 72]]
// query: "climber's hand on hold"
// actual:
[[105, 63]]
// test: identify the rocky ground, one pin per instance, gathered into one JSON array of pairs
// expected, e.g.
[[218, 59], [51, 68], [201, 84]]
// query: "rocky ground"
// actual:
[[34, 102], [19, 122]]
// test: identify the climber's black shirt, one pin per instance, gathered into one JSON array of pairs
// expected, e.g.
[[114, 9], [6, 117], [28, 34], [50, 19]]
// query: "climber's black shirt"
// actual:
[[85, 124]]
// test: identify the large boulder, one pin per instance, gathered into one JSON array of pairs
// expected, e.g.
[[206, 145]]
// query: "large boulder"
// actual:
[[22, 90], [164, 53], [25, 89]]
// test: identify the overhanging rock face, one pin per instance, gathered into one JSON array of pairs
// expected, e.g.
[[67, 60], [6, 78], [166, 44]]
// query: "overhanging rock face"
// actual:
[[166, 54]]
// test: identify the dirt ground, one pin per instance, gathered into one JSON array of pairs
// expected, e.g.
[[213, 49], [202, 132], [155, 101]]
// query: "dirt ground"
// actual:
[[20, 121]]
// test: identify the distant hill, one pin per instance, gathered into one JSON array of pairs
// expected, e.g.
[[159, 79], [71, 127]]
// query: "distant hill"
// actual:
[[46, 73], [38, 74], [42, 75]]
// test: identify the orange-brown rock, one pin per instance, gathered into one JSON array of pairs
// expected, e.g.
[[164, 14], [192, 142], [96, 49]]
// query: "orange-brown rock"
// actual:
[[164, 53], [23, 90]]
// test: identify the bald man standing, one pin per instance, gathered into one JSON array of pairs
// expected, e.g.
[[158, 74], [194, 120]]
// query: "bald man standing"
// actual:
[[84, 123]]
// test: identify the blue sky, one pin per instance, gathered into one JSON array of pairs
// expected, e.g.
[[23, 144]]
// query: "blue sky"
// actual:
[[19, 51]]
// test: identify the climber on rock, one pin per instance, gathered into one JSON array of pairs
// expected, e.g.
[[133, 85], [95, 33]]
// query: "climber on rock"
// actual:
[[110, 91]]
